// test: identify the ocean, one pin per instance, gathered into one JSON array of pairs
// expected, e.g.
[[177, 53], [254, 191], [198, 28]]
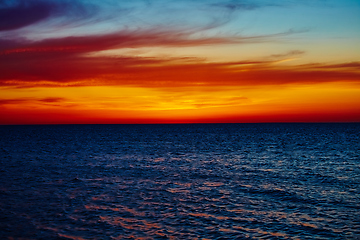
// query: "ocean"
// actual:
[[181, 181]]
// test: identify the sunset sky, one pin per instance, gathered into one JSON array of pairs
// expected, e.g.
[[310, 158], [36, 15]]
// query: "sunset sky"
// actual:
[[173, 61]]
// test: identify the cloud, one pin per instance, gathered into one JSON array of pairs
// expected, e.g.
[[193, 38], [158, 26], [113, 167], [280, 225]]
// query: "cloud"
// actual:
[[350, 65], [221, 102], [52, 100], [21, 13], [116, 15], [127, 39], [161, 73], [16, 14], [236, 5], [67, 62], [16, 101], [290, 54], [67, 59], [12, 101], [70, 17]]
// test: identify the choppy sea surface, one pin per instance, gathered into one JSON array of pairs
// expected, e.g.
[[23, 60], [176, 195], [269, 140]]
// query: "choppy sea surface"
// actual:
[[189, 181]]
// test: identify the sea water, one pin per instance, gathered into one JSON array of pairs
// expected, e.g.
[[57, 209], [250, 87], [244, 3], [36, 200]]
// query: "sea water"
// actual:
[[187, 181]]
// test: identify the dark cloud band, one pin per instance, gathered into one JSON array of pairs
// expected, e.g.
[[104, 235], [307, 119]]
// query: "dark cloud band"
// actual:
[[22, 13]]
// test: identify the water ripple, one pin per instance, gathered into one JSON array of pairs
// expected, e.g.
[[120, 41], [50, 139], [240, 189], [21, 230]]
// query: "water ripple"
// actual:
[[230, 181]]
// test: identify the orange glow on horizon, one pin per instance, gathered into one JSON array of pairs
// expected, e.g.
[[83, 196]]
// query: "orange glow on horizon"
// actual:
[[289, 103]]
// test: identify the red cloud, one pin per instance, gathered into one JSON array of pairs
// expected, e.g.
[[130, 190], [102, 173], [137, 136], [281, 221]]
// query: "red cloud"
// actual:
[[64, 61], [30, 100]]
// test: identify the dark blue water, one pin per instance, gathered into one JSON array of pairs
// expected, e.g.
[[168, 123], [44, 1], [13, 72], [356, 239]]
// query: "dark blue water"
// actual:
[[210, 181]]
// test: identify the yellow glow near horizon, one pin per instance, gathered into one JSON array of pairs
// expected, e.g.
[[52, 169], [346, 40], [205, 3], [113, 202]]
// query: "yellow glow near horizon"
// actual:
[[186, 103]]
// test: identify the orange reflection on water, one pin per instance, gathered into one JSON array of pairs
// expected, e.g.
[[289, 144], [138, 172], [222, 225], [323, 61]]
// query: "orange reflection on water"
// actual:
[[71, 237], [213, 184], [307, 225], [116, 209], [184, 184], [132, 224], [257, 230], [206, 215], [127, 223]]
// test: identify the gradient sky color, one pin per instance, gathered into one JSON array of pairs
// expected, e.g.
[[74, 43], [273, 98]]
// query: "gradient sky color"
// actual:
[[167, 61]]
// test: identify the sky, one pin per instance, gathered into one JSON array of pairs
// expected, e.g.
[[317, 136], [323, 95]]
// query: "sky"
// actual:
[[167, 61]]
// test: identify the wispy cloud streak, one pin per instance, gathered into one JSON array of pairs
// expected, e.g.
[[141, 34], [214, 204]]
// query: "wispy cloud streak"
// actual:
[[17, 14], [15, 101], [67, 59]]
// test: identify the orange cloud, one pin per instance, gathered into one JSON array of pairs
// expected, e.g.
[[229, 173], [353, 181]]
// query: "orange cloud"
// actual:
[[49, 101], [68, 61], [33, 68]]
